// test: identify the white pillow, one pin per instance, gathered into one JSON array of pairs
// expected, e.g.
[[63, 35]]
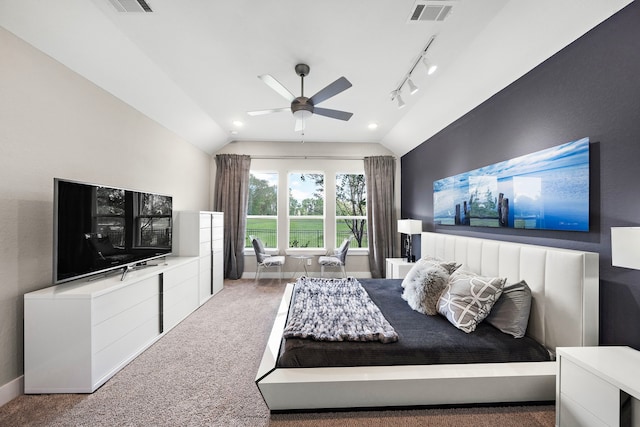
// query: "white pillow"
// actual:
[[423, 291], [427, 262], [468, 298]]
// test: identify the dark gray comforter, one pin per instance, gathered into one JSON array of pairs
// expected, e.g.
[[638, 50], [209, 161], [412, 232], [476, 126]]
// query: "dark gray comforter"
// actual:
[[422, 340]]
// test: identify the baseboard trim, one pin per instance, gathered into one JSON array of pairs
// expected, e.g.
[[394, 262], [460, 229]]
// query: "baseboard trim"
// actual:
[[11, 390]]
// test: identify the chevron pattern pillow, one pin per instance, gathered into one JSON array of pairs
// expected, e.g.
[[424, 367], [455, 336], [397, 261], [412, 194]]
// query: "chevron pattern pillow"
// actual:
[[468, 298]]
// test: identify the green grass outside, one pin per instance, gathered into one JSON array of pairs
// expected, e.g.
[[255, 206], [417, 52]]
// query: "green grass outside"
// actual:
[[306, 231]]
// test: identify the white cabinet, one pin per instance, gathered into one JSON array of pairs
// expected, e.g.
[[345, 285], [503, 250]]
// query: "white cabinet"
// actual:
[[201, 234], [77, 335], [397, 268], [179, 294], [598, 386]]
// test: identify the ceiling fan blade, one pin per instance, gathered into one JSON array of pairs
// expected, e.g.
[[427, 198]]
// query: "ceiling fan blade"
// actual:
[[299, 127], [331, 90], [273, 110], [334, 114], [277, 86]]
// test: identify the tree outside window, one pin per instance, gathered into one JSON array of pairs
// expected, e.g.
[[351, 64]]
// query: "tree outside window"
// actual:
[[262, 214], [306, 210], [351, 209]]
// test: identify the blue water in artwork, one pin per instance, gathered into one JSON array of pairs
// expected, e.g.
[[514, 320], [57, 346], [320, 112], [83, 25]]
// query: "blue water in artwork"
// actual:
[[548, 190]]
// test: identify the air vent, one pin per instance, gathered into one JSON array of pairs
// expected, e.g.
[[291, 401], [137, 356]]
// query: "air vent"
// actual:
[[131, 5], [431, 11]]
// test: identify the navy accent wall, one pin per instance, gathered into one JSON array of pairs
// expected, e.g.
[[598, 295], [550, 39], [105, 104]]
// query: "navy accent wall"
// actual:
[[589, 89]]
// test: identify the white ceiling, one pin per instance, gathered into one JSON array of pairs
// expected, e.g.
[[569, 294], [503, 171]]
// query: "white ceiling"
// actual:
[[192, 65]]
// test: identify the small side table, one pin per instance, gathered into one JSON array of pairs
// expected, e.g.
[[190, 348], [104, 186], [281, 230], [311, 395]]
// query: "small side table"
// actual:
[[597, 386], [397, 268], [302, 260]]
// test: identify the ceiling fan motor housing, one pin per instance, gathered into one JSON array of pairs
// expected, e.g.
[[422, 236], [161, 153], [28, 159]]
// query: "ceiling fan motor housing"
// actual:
[[300, 105]]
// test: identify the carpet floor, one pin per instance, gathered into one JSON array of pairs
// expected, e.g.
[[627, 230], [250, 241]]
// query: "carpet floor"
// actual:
[[201, 373]]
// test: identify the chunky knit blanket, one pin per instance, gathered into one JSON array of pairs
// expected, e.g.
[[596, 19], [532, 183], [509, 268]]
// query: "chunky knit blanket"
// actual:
[[336, 310]]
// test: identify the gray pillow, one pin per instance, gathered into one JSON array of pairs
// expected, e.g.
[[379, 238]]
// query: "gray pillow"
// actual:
[[510, 313], [422, 293], [467, 299]]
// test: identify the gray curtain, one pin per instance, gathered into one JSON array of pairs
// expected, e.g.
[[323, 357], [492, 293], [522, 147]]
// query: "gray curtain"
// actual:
[[380, 172], [232, 198]]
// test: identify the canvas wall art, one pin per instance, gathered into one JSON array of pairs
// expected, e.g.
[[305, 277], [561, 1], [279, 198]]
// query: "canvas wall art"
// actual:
[[545, 190]]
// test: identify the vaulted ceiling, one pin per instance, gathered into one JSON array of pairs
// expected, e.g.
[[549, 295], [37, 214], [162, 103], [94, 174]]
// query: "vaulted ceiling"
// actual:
[[192, 65]]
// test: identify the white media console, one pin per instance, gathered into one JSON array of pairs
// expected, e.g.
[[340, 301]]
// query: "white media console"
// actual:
[[79, 334]]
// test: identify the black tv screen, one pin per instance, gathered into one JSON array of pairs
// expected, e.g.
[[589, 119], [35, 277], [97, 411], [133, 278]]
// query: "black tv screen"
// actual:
[[99, 228]]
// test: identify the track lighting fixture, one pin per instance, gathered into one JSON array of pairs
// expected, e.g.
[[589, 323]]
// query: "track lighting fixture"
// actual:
[[407, 78], [431, 68], [412, 87], [397, 96]]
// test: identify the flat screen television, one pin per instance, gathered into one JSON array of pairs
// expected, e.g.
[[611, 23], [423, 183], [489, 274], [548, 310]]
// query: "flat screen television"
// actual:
[[97, 229]]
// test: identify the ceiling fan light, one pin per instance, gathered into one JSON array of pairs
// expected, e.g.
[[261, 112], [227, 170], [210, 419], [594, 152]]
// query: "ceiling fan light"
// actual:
[[302, 114], [412, 87]]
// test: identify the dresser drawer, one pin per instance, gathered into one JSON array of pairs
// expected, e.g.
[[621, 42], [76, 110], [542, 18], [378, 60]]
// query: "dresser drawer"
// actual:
[[180, 274], [112, 329], [588, 393], [205, 235], [113, 303], [205, 221]]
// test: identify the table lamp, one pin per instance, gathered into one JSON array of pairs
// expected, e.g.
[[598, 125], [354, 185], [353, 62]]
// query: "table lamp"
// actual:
[[409, 227]]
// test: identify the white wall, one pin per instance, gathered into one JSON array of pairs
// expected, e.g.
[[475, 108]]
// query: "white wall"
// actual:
[[54, 123], [331, 158]]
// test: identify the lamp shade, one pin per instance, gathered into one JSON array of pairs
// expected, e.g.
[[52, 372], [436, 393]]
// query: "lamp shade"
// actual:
[[625, 247], [409, 226]]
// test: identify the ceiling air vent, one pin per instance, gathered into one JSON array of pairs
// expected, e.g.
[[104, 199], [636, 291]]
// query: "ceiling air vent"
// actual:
[[432, 11], [131, 5]]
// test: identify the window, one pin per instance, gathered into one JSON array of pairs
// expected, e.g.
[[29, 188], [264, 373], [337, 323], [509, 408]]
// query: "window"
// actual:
[[109, 215], [150, 219], [351, 209], [153, 222], [306, 210], [262, 214]]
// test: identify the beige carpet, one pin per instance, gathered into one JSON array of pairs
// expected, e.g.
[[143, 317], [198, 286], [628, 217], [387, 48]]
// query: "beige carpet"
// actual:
[[202, 374]]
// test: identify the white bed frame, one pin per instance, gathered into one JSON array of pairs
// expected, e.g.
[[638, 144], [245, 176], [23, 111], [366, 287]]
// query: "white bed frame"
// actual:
[[564, 313]]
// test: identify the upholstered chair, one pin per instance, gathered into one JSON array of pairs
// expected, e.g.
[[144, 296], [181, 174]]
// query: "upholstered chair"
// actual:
[[264, 259], [337, 259]]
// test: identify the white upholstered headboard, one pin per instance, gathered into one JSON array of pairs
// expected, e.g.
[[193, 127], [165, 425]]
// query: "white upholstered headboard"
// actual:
[[564, 282]]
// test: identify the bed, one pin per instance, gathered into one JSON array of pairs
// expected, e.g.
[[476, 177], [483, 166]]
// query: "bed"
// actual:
[[564, 312]]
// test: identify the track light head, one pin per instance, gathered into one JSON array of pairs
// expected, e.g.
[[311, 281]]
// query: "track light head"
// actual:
[[401, 103], [412, 87], [431, 68]]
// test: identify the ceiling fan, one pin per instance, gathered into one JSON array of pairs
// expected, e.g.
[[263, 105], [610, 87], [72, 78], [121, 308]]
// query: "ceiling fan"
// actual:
[[301, 106]]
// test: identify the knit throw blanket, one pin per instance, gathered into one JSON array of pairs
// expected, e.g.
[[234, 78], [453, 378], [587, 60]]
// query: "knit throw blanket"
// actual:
[[336, 310]]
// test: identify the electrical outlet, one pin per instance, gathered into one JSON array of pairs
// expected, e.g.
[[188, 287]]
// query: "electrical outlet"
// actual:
[[309, 261]]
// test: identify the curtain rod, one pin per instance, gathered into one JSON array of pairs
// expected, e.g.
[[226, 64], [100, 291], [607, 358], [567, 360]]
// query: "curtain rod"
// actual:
[[309, 157]]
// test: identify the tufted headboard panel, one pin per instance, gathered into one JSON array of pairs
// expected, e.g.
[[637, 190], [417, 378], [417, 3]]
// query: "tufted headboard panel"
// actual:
[[564, 282]]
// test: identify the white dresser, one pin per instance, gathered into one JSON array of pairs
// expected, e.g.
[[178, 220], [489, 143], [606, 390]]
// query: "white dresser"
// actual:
[[598, 386], [200, 234], [77, 335]]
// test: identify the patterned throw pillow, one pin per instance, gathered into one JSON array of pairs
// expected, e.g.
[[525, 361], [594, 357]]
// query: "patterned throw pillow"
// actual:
[[510, 313], [423, 291], [467, 299]]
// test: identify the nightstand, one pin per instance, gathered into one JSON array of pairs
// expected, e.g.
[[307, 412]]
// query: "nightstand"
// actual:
[[598, 386], [397, 268]]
